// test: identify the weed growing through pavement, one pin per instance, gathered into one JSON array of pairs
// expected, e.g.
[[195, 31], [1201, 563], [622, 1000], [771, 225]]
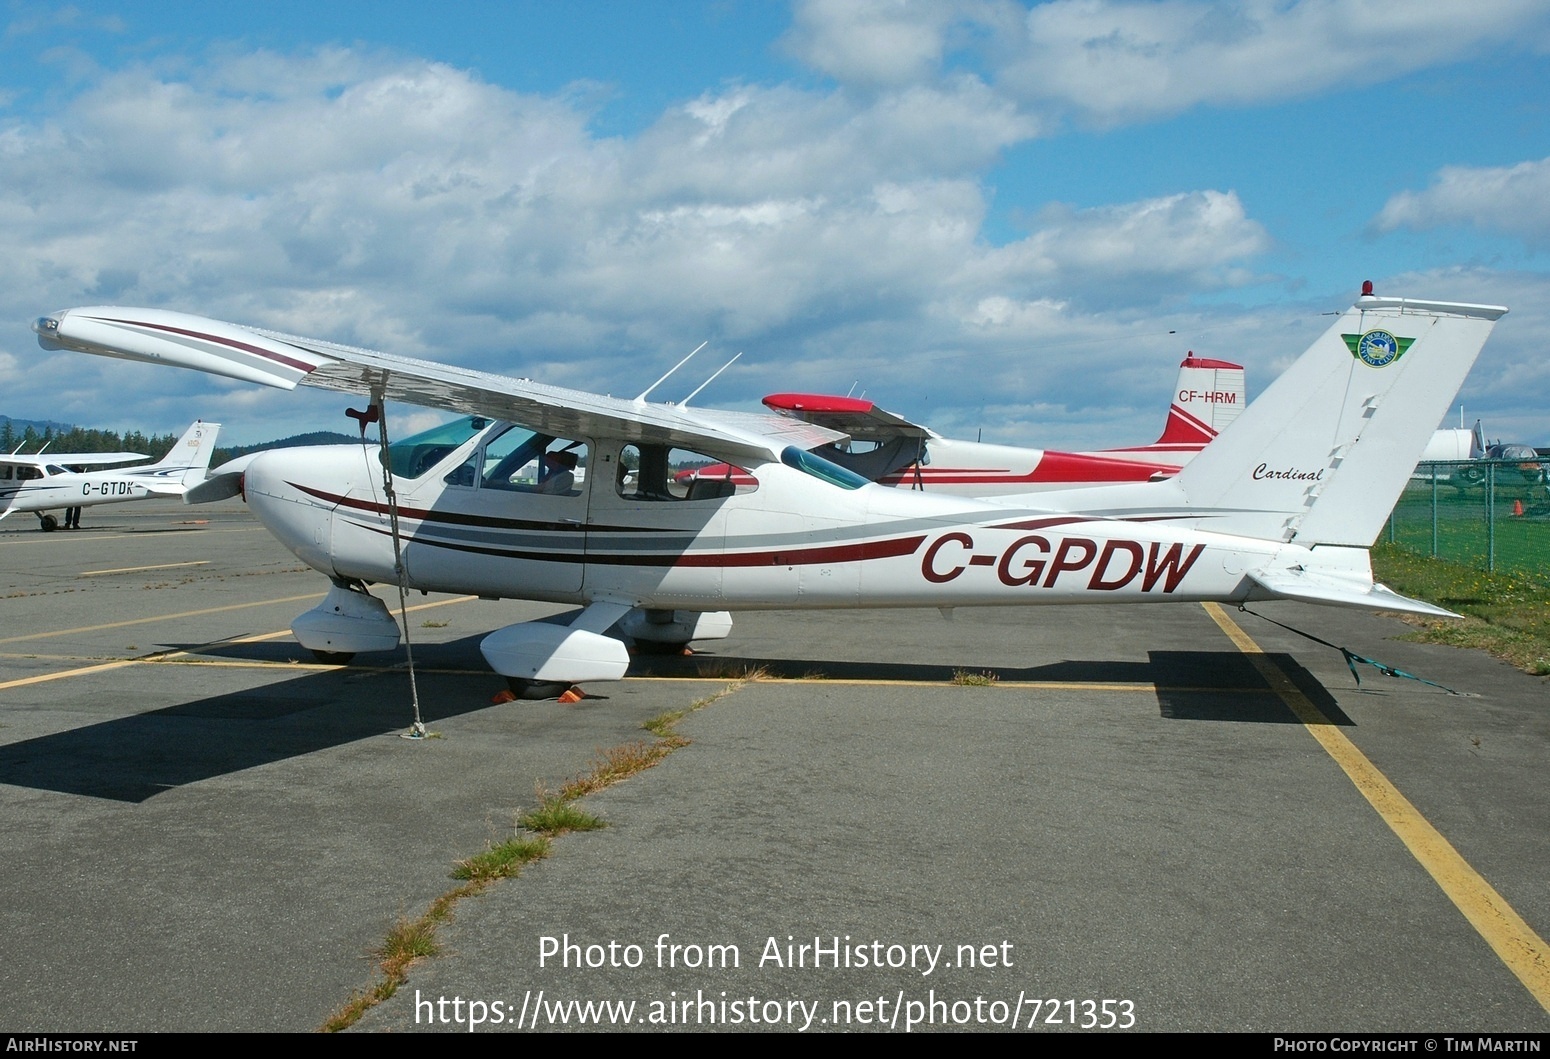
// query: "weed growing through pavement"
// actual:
[[555, 816], [502, 861], [965, 678]]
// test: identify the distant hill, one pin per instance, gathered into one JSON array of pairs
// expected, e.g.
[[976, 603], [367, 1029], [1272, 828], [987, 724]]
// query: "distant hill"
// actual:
[[295, 441], [38, 426]]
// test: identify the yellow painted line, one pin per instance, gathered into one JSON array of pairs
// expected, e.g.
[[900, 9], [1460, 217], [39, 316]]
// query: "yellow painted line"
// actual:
[[45, 677], [175, 656], [229, 663], [137, 569], [159, 617], [56, 539], [1520, 948]]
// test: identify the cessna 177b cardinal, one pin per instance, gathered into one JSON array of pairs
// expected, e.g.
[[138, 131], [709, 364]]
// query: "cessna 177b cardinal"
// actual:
[[1283, 505], [43, 483]]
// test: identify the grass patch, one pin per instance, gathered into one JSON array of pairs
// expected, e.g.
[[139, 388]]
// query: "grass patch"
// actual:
[[620, 763], [712, 669], [502, 861], [432, 623], [1506, 615], [661, 725], [965, 678], [408, 941], [555, 816]]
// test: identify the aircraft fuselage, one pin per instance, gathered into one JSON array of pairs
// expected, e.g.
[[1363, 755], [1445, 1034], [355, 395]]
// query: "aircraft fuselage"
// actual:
[[793, 541]]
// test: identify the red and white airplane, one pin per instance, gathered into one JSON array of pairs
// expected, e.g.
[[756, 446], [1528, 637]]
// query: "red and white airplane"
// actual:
[[1283, 505], [44, 482], [890, 450]]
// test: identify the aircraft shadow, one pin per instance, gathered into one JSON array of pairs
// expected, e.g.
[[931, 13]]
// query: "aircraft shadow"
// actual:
[[132, 759], [1191, 685]]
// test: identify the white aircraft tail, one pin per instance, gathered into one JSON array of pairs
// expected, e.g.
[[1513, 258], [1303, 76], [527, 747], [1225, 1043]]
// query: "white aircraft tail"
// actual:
[[187, 462], [1320, 458], [1209, 395]]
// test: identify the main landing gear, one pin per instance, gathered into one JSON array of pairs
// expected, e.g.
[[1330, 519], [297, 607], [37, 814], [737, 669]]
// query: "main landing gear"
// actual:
[[533, 690], [348, 621], [539, 659]]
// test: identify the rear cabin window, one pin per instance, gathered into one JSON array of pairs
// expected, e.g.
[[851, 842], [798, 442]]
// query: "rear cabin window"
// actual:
[[659, 472]]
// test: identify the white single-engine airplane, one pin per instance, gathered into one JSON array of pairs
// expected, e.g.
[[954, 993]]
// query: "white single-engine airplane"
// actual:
[[1209, 394], [43, 483], [1283, 505]]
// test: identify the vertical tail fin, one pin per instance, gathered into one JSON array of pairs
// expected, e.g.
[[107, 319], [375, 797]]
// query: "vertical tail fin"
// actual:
[[1209, 395], [189, 459], [1323, 454]]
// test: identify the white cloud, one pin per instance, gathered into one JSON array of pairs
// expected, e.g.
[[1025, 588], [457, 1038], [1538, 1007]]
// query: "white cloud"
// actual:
[[1132, 253], [1511, 199], [1119, 60], [872, 42], [1115, 61], [409, 206], [1510, 384]]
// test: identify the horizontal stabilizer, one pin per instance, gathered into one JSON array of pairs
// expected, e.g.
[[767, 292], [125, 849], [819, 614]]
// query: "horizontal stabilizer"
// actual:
[[220, 487], [1308, 587]]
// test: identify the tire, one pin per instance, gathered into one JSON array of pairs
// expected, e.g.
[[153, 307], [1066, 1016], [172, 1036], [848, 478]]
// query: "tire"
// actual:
[[48, 523], [532, 690], [652, 647], [334, 658]]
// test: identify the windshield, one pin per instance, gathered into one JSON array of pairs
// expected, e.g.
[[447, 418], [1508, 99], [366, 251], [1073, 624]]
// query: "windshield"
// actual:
[[413, 456], [821, 468]]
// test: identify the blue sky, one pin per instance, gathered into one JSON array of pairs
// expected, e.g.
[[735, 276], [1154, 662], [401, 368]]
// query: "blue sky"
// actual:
[[1001, 218]]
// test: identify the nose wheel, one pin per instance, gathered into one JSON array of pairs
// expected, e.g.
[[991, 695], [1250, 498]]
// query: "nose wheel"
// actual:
[[48, 523], [334, 658]]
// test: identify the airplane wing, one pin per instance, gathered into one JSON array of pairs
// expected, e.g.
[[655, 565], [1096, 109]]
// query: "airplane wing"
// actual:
[[858, 418], [271, 358], [73, 459]]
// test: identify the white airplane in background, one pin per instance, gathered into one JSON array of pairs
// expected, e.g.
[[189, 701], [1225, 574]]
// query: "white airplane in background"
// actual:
[[887, 449], [1283, 505], [42, 483]]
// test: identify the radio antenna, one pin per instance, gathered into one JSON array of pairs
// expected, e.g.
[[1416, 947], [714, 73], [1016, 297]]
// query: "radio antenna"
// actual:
[[642, 398], [710, 380]]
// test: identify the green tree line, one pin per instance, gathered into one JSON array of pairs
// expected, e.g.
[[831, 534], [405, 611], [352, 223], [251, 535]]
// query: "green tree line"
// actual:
[[155, 446], [78, 439]]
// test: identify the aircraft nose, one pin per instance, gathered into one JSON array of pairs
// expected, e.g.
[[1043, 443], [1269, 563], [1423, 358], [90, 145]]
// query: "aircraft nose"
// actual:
[[294, 492]]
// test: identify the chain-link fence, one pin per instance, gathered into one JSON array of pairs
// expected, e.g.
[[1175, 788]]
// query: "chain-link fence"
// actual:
[[1489, 514]]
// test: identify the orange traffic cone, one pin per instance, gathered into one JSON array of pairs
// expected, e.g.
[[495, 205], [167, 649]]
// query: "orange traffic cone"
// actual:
[[1517, 509]]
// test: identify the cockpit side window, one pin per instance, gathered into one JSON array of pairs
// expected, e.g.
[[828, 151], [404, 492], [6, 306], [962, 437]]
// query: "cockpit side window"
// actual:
[[520, 461]]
